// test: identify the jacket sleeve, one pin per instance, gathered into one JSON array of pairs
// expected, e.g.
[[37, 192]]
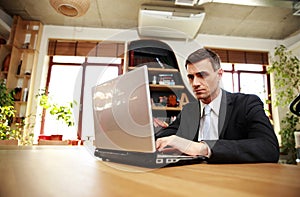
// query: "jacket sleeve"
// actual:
[[248, 137], [186, 124], [170, 130]]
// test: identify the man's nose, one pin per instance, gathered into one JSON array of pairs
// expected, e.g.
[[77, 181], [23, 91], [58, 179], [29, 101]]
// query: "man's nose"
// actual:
[[197, 81]]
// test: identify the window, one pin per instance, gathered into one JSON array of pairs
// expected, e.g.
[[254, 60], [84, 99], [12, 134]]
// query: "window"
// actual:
[[247, 75], [72, 78], [247, 78], [74, 68]]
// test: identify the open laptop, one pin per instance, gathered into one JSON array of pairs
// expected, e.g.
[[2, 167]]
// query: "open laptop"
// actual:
[[123, 120]]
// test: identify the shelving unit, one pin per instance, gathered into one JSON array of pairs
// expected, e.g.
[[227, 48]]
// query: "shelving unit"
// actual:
[[18, 58], [164, 77]]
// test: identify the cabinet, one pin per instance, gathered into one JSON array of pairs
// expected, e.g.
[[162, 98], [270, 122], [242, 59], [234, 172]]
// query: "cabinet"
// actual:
[[167, 90], [19, 58]]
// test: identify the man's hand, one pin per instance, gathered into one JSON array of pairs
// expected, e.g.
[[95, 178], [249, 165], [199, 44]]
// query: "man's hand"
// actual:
[[183, 145]]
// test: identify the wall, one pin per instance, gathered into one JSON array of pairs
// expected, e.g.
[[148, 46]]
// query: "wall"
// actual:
[[181, 48]]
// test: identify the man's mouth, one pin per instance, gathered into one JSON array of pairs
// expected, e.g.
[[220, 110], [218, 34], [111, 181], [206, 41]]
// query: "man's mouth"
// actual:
[[199, 91]]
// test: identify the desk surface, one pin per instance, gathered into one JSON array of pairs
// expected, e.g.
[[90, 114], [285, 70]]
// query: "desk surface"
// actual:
[[74, 171]]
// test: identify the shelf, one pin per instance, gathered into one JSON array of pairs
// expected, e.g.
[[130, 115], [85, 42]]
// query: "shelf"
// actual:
[[22, 46], [165, 87], [4, 72], [163, 70], [168, 70], [20, 102], [7, 46], [27, 50], [31, 31], [166, 108], [23, 76]]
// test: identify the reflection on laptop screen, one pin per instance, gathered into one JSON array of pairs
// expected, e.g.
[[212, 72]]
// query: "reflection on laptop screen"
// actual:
[[122, 113]]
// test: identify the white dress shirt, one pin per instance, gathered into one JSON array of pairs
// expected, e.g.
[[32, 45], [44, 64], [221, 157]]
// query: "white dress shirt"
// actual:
[[215, 108]]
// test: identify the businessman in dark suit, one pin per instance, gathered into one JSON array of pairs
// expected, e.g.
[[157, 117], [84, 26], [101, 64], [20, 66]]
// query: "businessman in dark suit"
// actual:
[[238, 129]]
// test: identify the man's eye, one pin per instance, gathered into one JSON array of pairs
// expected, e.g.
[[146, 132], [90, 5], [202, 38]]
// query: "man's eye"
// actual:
[[191, 77], [202, 74]]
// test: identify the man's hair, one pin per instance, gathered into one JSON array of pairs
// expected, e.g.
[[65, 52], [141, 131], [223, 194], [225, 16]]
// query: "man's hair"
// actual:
[[202, 54]]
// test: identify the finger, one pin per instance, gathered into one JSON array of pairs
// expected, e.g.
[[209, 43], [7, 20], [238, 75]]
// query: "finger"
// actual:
[[159, 143]]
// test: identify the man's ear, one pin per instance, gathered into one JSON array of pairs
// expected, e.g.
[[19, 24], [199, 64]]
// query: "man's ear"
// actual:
[[220, 73]]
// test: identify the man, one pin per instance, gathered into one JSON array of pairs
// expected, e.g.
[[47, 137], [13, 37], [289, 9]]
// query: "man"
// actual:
[[239, 130]]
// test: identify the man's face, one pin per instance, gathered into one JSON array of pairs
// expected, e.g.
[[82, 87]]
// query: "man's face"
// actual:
[[204, 80]]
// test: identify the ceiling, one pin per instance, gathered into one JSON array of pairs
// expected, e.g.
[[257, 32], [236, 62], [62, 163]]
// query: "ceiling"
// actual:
[[267, 19]]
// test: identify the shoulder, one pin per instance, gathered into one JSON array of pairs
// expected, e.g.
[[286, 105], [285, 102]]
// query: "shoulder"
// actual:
[[191, 108], [241, 97], [192, 105], [246, 103]]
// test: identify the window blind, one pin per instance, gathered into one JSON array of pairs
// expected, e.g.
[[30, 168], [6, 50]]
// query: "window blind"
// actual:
[[85, 48], [243, 57]]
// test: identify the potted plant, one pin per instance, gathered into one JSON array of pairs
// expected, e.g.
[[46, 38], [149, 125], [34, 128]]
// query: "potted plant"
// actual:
[[8, 135], [6, 96], [12, 131], [286, 69], [62, 113]]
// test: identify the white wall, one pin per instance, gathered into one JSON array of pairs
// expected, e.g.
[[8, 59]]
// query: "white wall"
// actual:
[[181, 48]]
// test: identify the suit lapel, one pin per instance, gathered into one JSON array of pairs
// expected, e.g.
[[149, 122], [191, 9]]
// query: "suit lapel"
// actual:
[[195, 122], [225, 110]]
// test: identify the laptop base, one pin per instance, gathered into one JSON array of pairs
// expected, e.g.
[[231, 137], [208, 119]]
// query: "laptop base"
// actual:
[[147, 160]]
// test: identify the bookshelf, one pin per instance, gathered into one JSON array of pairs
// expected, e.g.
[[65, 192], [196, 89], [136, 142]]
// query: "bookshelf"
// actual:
[[167, 89], [18, 58]]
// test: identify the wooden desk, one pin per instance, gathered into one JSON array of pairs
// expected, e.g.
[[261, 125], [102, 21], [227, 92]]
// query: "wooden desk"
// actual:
[[42, 171]]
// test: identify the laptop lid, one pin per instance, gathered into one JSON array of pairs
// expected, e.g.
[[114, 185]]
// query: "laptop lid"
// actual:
[[122, 113]]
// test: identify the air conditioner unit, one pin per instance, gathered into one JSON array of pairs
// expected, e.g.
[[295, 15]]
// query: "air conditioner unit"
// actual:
[[166, 22]]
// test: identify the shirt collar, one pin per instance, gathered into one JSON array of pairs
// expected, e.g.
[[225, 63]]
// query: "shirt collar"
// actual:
[[214, 104]]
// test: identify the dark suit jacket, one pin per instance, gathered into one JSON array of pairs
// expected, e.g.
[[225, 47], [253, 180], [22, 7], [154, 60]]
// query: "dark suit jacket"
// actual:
[[245, 132]]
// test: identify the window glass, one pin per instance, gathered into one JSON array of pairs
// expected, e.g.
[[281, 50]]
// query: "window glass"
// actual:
[[66, 85], [227, 82], [248, 67], [93, 75], [104, 60], [255, 84], [68, 59], [246, 78], [226, 66]]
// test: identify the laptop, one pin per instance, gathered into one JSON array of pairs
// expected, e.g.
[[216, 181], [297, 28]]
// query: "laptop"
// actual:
[[123, 122]]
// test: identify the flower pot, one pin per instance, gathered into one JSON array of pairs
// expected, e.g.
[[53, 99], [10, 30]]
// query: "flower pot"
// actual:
[[57, 137], [44, 137], [74, 142]]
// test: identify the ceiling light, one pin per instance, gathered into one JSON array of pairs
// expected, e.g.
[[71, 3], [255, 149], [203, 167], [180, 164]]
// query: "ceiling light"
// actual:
[[71, 8]]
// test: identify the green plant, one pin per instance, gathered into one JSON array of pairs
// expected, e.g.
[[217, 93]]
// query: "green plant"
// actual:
[[7, 132], [7, 114], [60, 112], [6, 96], [286, 69], [8, 128], [25, 126]]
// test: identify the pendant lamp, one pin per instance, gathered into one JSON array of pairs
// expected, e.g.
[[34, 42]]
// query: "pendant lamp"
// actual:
[[71, 8]]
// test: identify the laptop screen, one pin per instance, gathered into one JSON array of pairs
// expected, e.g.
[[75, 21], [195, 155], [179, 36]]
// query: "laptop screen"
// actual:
[[122, 113]]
